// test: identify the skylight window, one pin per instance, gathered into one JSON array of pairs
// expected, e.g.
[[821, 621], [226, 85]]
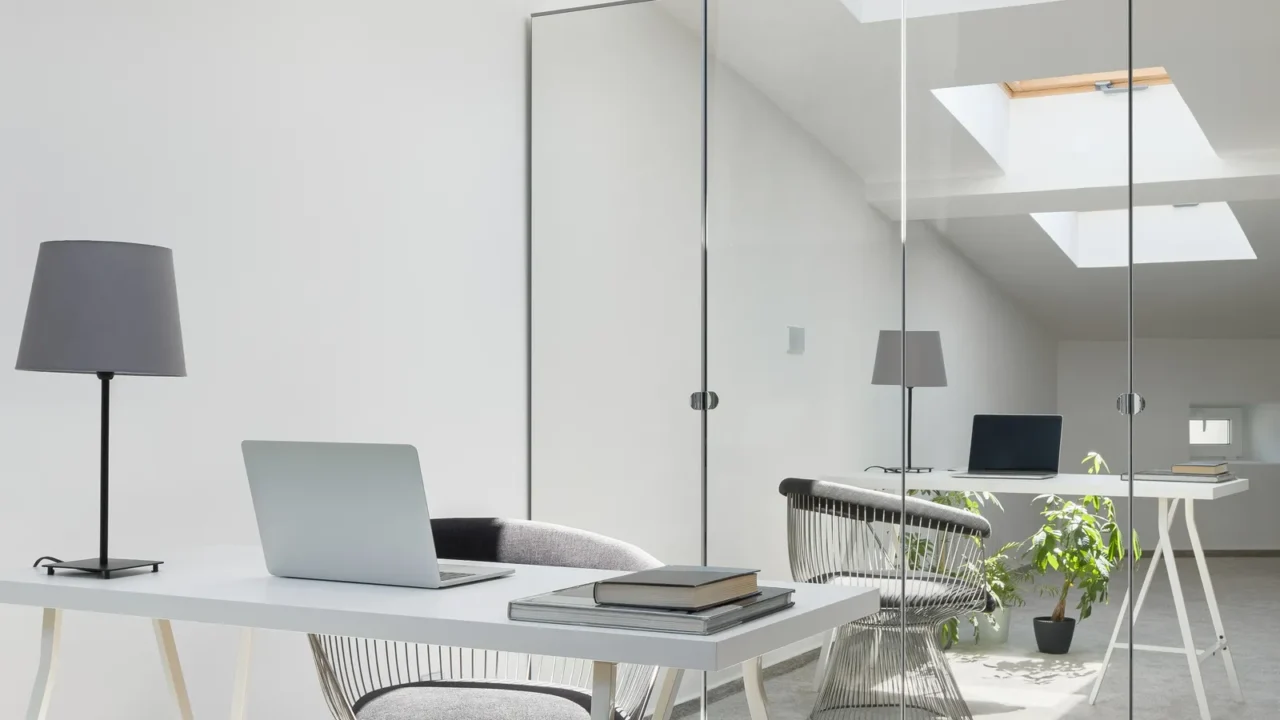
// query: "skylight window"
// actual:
[[1063, 133], [1161, 234], [1089, 82]]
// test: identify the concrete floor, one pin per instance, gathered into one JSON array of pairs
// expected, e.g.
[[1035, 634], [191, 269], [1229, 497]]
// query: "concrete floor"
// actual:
[[1015, 682]]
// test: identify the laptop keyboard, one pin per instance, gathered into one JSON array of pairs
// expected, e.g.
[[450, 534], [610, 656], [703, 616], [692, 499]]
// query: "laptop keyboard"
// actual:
[[447, 576]]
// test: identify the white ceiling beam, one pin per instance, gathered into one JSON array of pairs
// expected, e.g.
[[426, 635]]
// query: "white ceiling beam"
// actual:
[[1234, 180]]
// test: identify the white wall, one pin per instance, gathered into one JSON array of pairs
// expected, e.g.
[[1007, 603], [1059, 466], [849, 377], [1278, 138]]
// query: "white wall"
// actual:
[[1173, 375], [343, 186]]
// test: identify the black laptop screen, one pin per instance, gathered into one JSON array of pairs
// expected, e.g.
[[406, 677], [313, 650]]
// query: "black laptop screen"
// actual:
[[1015, 443]]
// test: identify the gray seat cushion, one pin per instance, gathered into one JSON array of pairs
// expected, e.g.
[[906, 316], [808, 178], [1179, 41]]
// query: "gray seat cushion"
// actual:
[[924, 590], [476, 700]]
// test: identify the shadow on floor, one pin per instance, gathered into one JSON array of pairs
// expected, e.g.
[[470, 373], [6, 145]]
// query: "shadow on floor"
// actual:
[[1038, 670]]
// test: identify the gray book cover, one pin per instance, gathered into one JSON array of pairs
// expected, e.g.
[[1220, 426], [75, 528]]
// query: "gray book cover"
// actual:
[[575, 606]]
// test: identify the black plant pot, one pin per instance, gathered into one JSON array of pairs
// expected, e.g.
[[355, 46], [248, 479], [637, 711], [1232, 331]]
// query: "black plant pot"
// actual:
[[1054, 638]]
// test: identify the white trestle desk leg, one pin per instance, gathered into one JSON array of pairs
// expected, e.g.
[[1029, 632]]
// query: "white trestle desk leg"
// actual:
[[1180, 605], [172, 667], [50, 634], [604, 679], [824, 656], [664, 703], [753, 685], [1194, 533], [1166, 517], [240, 690]]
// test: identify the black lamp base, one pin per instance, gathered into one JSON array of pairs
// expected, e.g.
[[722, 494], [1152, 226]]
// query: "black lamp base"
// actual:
[[899, 471], [95, 566]]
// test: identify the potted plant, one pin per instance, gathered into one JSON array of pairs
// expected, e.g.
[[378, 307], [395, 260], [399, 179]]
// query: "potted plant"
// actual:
[[1002, 582], [998, 578], [1081, 541]]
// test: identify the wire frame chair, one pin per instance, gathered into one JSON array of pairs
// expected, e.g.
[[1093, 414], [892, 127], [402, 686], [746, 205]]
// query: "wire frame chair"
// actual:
[[927, 565], [354, 671]]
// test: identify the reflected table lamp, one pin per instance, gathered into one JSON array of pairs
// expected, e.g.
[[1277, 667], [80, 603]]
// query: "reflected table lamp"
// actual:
[[924, 367], [107, 309]]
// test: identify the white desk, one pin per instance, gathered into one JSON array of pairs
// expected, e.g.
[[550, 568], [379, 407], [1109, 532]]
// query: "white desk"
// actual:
[[1168, 495], [230, 586]]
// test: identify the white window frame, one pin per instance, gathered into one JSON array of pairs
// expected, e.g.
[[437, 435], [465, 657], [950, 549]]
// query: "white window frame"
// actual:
[[1233, 451]]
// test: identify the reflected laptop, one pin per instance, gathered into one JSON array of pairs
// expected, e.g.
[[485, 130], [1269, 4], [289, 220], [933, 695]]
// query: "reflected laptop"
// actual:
[[348, 513], [1014, 446]]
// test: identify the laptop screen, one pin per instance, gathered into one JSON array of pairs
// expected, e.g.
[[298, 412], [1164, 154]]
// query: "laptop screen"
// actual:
[[1016, 443]]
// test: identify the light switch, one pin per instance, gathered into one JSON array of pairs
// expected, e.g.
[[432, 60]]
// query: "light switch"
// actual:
[[795, 340]]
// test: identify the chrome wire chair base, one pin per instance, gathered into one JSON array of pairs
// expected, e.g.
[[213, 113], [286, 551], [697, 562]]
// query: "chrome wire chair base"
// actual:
[[924, 558], [865, 679]]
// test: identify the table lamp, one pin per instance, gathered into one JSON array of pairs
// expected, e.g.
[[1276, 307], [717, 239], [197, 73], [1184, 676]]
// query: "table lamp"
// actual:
[[105, 308], [924, 367]]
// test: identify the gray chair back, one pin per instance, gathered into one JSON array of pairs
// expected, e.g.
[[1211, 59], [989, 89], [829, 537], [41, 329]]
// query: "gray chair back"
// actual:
[[525, 542], [854, 536]]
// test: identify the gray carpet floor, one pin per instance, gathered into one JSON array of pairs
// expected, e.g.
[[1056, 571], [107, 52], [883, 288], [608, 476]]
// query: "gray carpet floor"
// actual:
[[1015, 682]]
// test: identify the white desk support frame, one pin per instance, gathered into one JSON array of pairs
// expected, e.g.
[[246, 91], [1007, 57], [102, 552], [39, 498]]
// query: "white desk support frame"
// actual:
[[47, 670], [1168, 496], [230, 586], [1168, 509]]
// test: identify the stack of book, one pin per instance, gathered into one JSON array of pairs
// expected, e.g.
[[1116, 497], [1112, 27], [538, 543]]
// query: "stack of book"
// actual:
[[675, 598], [1208, 471]]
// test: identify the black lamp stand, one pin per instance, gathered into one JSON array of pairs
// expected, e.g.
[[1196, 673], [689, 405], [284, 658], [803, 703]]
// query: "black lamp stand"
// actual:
[[910, 468], [104, 565]]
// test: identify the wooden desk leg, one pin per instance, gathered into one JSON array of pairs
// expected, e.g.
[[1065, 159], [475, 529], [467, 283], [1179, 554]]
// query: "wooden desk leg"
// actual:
[[753, 686], [664, 702], [240, 690], [1194, 533], [47, 670], [172, 667], [604, 679]]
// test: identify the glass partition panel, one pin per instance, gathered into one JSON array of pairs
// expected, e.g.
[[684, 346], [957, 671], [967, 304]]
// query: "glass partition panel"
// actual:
[[1017, 270], [616, 286], [804, 307], [1206, 341]]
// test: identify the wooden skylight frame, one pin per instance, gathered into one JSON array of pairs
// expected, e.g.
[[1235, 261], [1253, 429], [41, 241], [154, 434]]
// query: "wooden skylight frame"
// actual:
[[1069, 84]]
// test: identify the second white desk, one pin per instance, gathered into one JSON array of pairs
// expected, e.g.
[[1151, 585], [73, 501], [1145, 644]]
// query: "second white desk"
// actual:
[[1168, 495]]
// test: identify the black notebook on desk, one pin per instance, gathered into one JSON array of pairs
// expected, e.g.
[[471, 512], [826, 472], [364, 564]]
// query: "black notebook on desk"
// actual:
[[678, 587]]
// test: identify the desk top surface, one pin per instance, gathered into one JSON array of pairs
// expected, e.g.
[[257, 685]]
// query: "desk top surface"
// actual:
[[1113, 486], [231, 586]]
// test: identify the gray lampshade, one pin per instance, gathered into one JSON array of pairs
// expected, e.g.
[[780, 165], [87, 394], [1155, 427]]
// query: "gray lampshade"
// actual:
[[103, 307], [925, 367]]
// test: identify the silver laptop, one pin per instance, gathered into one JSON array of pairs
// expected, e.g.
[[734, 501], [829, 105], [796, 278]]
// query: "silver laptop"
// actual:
[[348, 512], [1022, 447]]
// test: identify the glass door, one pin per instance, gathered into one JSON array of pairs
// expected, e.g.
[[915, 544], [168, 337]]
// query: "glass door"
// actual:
[[1203, 352], [1017, 245], [804, 310]]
